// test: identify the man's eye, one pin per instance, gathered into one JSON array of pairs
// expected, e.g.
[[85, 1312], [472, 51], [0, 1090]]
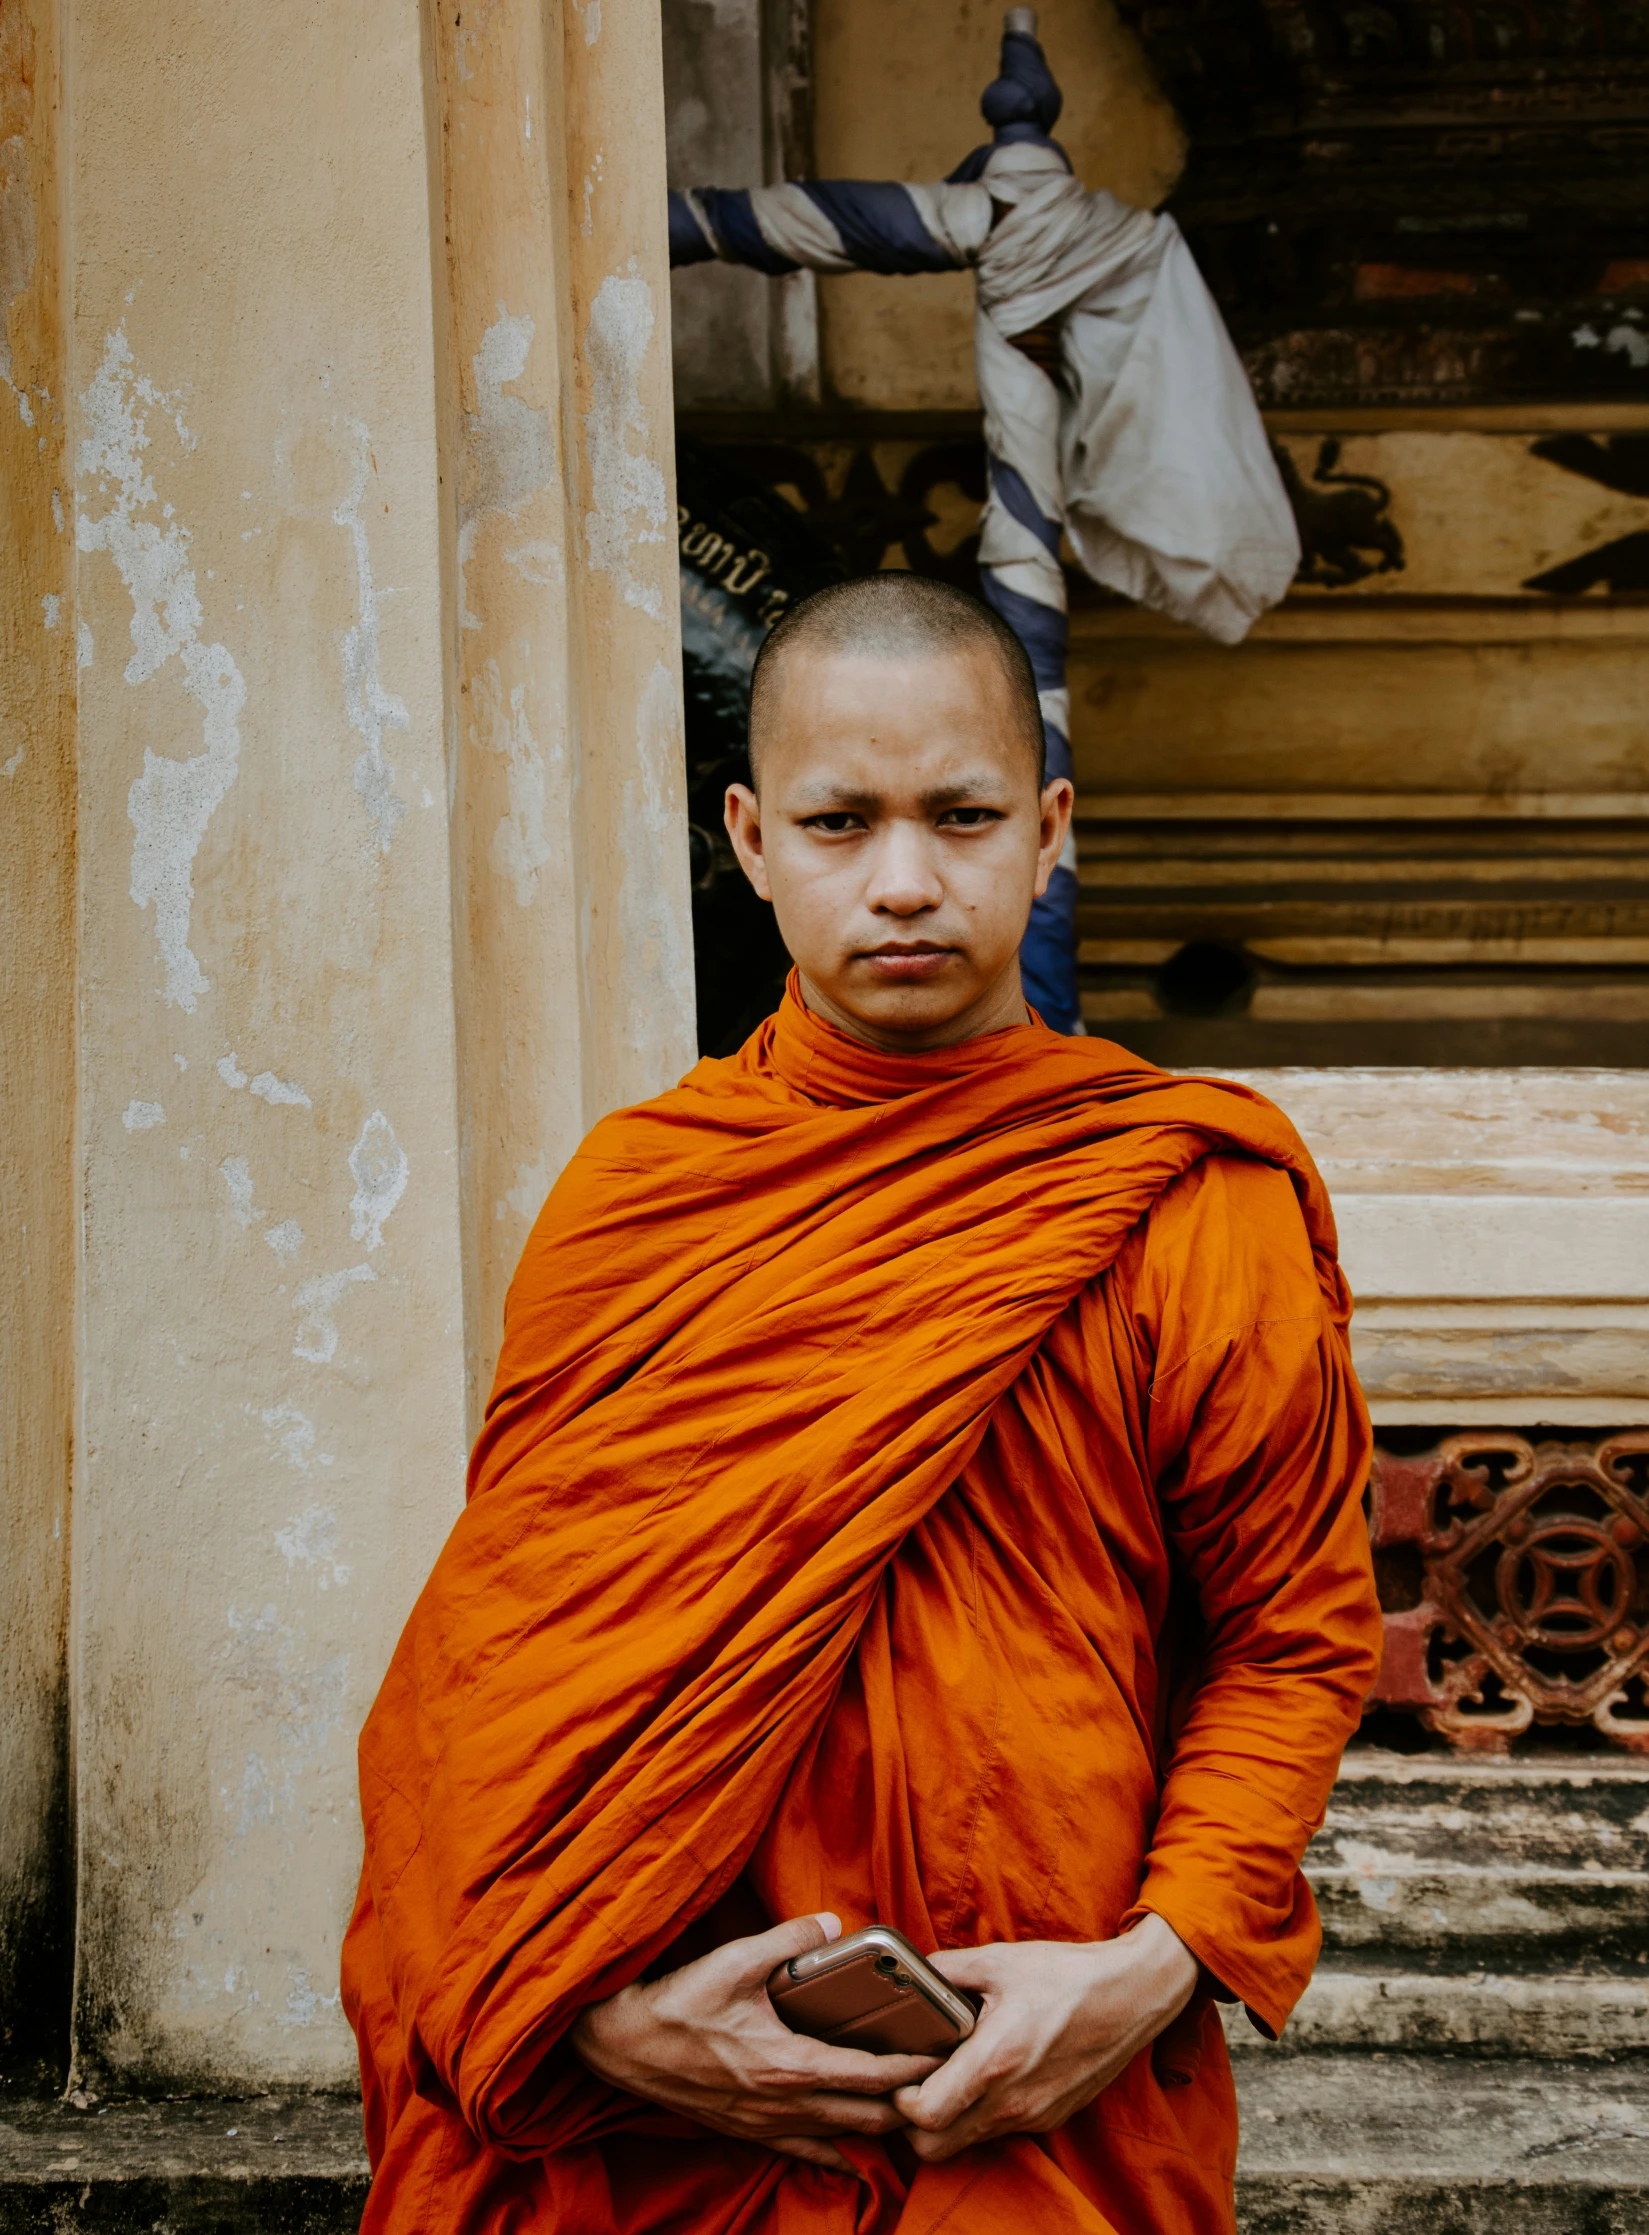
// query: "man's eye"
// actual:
[[969, 818], [834, 825]]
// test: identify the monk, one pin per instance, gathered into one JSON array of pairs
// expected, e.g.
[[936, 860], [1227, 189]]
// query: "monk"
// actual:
[[921, 1486]]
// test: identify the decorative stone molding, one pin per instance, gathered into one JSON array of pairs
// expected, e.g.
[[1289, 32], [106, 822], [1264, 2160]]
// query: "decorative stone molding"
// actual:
[[1515, 1578]]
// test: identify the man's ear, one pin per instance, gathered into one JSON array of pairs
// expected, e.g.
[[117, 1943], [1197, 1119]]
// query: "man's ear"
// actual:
[[742, 813], [1058, 799]]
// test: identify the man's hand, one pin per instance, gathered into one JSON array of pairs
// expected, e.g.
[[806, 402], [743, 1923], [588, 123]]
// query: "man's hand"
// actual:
[[706, 2041], [1059, 2023]]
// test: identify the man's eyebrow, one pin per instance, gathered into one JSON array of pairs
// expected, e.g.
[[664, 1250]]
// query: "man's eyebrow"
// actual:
[[822, 796], [969, 790]]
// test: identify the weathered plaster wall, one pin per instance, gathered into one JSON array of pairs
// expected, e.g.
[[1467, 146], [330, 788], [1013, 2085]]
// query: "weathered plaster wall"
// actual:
[[897, 94], [37, 675], [571, 880], [340, 622], [272, 1384]]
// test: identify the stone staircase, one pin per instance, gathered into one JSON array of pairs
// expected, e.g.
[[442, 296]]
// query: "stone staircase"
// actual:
[[1471, 2059]]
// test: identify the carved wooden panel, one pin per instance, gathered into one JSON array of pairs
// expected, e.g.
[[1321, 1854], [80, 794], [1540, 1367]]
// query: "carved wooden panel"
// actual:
[[1515, 1582], [1402, 200], [1407, 821]]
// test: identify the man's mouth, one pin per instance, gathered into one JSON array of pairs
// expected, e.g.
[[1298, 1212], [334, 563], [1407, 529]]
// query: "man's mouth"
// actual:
[[908, 963]]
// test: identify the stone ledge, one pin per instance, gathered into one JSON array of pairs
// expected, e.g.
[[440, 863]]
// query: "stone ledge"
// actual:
[[1557, 2015], [271, 2166], [1332, 2145], [1408, 2145]]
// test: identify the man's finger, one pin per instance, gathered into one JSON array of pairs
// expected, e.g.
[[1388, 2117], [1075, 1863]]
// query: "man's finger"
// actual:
[[843, 2114], [751, 1960], [968, 1967], [856, 2071], [934, 2149], [946, 2094], [815, 2152]]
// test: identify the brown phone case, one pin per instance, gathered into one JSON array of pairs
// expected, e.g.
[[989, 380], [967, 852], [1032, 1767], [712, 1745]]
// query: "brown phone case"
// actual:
[[872, 1991]]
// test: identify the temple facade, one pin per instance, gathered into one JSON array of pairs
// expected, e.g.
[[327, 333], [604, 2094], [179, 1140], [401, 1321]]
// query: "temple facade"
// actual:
[[1387, 859], [350, 856]]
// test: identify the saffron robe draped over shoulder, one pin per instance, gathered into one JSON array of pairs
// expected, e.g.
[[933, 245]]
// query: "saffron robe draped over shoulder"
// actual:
[[921, 1487]]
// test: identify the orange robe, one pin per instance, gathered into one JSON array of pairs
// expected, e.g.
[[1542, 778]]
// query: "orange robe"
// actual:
[[922, 1487]]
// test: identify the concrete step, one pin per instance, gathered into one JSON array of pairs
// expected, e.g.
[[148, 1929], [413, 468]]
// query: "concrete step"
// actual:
[[1332, 2145], [1476, 1863], [273, 2166], [1406, 2145], [1562, 2014]]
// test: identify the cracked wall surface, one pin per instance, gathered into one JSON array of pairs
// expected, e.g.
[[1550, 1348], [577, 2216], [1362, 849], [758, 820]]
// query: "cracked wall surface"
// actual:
[[345, 876]]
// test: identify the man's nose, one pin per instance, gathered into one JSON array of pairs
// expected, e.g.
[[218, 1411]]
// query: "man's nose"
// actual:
[[904, 878]]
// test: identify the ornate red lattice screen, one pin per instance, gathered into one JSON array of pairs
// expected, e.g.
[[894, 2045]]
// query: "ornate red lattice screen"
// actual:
[[1515, 1579]]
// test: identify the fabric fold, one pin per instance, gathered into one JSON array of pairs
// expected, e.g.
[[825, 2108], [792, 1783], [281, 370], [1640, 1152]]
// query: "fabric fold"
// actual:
[[764, 1327]]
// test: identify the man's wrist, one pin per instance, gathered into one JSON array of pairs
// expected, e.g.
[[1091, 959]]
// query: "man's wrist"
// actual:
[[1168, 1971]]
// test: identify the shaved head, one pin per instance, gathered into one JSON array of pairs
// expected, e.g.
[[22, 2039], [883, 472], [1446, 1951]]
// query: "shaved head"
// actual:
[[894, 616]]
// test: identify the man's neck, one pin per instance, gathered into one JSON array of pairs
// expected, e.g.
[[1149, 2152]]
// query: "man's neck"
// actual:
[[998, 1008]]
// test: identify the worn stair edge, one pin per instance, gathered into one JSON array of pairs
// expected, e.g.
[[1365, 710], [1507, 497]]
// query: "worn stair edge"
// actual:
[[275, 2165], [1562, 2015], [1332, 2145], [1414, 2145], [1303, 2204]]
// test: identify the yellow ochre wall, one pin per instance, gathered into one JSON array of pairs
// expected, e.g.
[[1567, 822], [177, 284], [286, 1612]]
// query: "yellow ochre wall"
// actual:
[[344, 863]]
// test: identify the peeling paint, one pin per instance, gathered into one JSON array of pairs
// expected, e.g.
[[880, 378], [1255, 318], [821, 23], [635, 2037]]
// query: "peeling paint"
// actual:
[[84, 649], [589, 15], [311, 1541], [508, 454], [378, 1164], [592, 179], [270, 1089], [138, 1117], [626, 485], [520, 848], [304, 1701], [371, 708], [173, 801], [294, 1437], [469, 35], [285, 1240], [526, 1197], [51, 611], [317, 1301], [265, 1086], [304, 2001], [12, 763], [539, 562], [237, 1177]]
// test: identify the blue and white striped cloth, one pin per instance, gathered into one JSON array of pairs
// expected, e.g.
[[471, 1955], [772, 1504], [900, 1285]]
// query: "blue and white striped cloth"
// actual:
[[1149, 453]]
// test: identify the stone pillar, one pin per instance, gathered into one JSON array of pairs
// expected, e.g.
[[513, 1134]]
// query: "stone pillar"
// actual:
[[368, 572], [558, 448], [37, 999]]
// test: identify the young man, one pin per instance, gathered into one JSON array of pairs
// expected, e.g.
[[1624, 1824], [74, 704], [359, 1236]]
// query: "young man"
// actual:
[[921, 1487]]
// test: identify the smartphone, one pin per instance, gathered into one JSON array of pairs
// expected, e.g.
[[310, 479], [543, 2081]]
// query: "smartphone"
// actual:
[[872, 1991]]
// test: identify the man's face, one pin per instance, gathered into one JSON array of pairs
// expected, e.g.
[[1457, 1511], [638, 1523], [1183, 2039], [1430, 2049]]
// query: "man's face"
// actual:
[[901, 839]]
